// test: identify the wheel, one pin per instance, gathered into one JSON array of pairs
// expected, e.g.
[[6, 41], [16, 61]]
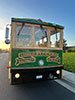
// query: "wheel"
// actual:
[[51, 76], [60, 75]]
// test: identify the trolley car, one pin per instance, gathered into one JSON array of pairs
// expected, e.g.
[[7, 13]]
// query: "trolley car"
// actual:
[[35, 50]]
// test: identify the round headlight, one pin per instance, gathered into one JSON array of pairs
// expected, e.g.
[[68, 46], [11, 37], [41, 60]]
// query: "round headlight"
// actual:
[[17, 75], [58, 71]]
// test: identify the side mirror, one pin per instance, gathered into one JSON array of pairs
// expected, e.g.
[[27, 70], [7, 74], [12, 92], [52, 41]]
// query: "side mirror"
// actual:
[[7, 41]]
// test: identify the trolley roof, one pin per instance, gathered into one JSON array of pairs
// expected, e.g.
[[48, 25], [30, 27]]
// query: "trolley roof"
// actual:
[[36, 21]]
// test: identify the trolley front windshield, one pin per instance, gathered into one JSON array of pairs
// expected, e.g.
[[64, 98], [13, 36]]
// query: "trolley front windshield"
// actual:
[[36, 36]]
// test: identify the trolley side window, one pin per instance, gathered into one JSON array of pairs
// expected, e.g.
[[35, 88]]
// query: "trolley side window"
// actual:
[[55, 40]]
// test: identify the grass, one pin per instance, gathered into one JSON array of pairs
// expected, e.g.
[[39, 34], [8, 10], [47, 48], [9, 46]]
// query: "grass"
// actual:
[[69, 61]]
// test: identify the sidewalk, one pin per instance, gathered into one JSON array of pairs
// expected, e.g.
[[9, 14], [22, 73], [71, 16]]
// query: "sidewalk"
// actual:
[[69, 77]]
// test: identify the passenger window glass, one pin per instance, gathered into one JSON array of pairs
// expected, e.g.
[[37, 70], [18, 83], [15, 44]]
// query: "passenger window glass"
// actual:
[[55, 40], [41, 37]]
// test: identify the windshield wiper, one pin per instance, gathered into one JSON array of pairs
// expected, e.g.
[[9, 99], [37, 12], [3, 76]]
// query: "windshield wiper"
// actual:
[[20, 29], [43, 31]]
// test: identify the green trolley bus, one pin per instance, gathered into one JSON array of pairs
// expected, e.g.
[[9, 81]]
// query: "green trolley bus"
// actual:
[[35, 50]]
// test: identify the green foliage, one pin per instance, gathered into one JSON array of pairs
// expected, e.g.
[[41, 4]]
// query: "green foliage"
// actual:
[[69, 61], [71, 50], [3, 51], [64, 45]]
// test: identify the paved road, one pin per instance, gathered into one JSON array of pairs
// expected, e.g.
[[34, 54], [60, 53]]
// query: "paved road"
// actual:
[[41, 90]]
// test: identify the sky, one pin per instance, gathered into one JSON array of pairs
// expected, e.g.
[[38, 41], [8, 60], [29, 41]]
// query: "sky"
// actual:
[[61, 12]]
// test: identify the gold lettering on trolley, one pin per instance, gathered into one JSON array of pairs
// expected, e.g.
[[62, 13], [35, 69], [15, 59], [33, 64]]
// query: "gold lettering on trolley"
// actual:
[[54, 57], [36, 53]]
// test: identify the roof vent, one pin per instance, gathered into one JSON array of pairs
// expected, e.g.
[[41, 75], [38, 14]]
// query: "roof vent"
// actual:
[[39, 20]]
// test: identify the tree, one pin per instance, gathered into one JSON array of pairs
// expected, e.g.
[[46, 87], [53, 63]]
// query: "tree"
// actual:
[[64, 45]]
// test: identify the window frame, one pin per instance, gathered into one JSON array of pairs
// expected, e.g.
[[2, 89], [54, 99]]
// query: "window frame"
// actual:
[[13, 36]]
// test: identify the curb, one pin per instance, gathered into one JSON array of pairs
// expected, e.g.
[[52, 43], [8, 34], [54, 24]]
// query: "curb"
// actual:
[[68, 81], [68, 77]]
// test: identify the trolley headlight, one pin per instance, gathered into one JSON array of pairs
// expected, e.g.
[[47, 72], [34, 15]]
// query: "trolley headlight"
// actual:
[[58, 71], [17, 75]]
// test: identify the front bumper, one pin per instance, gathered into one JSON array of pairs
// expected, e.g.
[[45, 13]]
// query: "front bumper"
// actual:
[[30, 74]]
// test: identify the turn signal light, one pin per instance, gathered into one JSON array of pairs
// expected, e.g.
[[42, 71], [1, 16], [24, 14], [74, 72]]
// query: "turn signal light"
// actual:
[[7, 67]]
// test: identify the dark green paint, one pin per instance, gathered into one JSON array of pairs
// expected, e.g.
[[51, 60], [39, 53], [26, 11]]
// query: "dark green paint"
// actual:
[[15, 53]]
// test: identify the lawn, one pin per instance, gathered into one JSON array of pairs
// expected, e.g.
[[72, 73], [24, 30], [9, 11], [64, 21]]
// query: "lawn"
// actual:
[[69, 61]]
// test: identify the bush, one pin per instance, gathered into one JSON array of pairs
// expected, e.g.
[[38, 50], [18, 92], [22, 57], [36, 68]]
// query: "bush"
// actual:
[[71, 50], [3, 51]]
